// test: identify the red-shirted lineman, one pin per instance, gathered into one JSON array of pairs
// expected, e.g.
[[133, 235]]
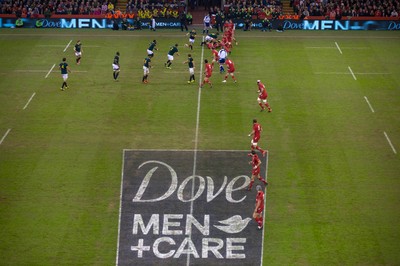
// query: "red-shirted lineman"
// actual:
[[255, 163], [262, 97], [258, 211], [207, 73], [256, 133], [231, 70]]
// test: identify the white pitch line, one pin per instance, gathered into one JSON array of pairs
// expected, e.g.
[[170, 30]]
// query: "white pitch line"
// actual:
[[30, 99], [337, 46], [347, 73], [4, 136], [196, 142], [352, 73], [265, 204], [390, 143], [66, 47], [370, 106], [51, 69]]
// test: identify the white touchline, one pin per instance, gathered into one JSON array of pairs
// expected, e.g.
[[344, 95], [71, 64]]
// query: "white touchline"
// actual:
[[370, 106], [66, 47], [4, 136], [120, 205], [390, 143], [30, 99], [352, 73], [265, 204], [337, 45], [51, 69], [196, 141]]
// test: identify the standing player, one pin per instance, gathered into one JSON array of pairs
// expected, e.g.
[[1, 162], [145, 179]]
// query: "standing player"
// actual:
[[256, 134], [255, 172], [172, 51], [207, 73], [231, 70], [222, 57], [207, 24], [192, 38], [152, 47], [191, 68], [262, 97], [146, 69], [78, 52], [259, 209], [64, 73], [115, 66]]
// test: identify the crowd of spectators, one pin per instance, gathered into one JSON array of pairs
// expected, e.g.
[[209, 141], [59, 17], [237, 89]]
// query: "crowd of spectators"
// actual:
[[34, 8], [336, 9], [160, 8], [252, 9]]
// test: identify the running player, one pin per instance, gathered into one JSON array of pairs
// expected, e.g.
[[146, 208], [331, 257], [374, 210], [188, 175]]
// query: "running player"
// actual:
[[152, 47], [78, 52], [207, 73], [231, 70], [255, 170], [115, 66], [191, 68], [259, 208], [192, 38], [172, 51], [263, 97], [146, 69], [64, 73], [256, 135]]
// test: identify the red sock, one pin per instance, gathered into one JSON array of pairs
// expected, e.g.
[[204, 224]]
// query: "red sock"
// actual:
[[261, 150], [263, 180], [226, 77], [233, 77], [261, 105], [260, 221], [251, 184]]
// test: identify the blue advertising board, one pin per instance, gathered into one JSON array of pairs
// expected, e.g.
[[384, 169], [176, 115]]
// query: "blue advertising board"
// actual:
[[286, 24]]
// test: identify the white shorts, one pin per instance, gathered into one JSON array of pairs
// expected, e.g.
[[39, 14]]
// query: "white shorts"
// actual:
[[191, 41], [64, 76], [208, 38], [191, 71], [263, 100], [253, 143], [149, 52], [115, 67], [170, 57], [146, 70], [78, 54]]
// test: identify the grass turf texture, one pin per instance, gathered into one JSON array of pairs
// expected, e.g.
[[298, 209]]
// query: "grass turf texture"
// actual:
[[334, 195]]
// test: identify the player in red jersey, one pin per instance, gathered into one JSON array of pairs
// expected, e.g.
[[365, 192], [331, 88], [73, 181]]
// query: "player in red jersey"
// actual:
[[207, 73], [262, 97], [255, 163], [215, 55], [258, 210], [256, 133], [231, 70]]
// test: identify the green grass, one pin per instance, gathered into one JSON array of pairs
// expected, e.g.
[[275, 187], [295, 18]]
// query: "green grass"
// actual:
[[334, 196]]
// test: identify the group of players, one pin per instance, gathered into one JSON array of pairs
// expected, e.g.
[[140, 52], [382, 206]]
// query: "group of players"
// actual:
[[221, 57]]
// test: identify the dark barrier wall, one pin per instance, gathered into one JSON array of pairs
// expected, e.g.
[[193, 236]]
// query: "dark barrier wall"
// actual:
[[286, 24]]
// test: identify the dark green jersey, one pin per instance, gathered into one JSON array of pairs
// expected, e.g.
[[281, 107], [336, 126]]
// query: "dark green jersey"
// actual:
[[147, 62], [173, 50], [192, 35], [78, 47], [213, 35], [152, 46], [116, 60], [190, 62], [64, 68]]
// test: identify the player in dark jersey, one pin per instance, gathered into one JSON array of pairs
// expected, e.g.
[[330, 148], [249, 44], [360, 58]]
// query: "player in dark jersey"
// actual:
[[191, 68], [146, 69], [115, 66], [192, 38], [64, 73], [171, 52], [152, 47], [78, 52]]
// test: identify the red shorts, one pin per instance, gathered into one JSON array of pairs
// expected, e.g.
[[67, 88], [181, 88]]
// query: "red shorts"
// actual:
[[256, 139], [231, 71], [208, 76], [260, 209], [256, 172]]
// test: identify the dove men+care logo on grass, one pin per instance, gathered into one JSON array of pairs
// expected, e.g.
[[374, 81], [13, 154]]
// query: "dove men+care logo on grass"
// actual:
[[177, 210]]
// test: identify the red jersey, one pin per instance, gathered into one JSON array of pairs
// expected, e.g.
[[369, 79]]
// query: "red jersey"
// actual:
[[255, 161], [262, 92], [215, 54], [231, 66], [260, 201], [257, 131], [208, 70]]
